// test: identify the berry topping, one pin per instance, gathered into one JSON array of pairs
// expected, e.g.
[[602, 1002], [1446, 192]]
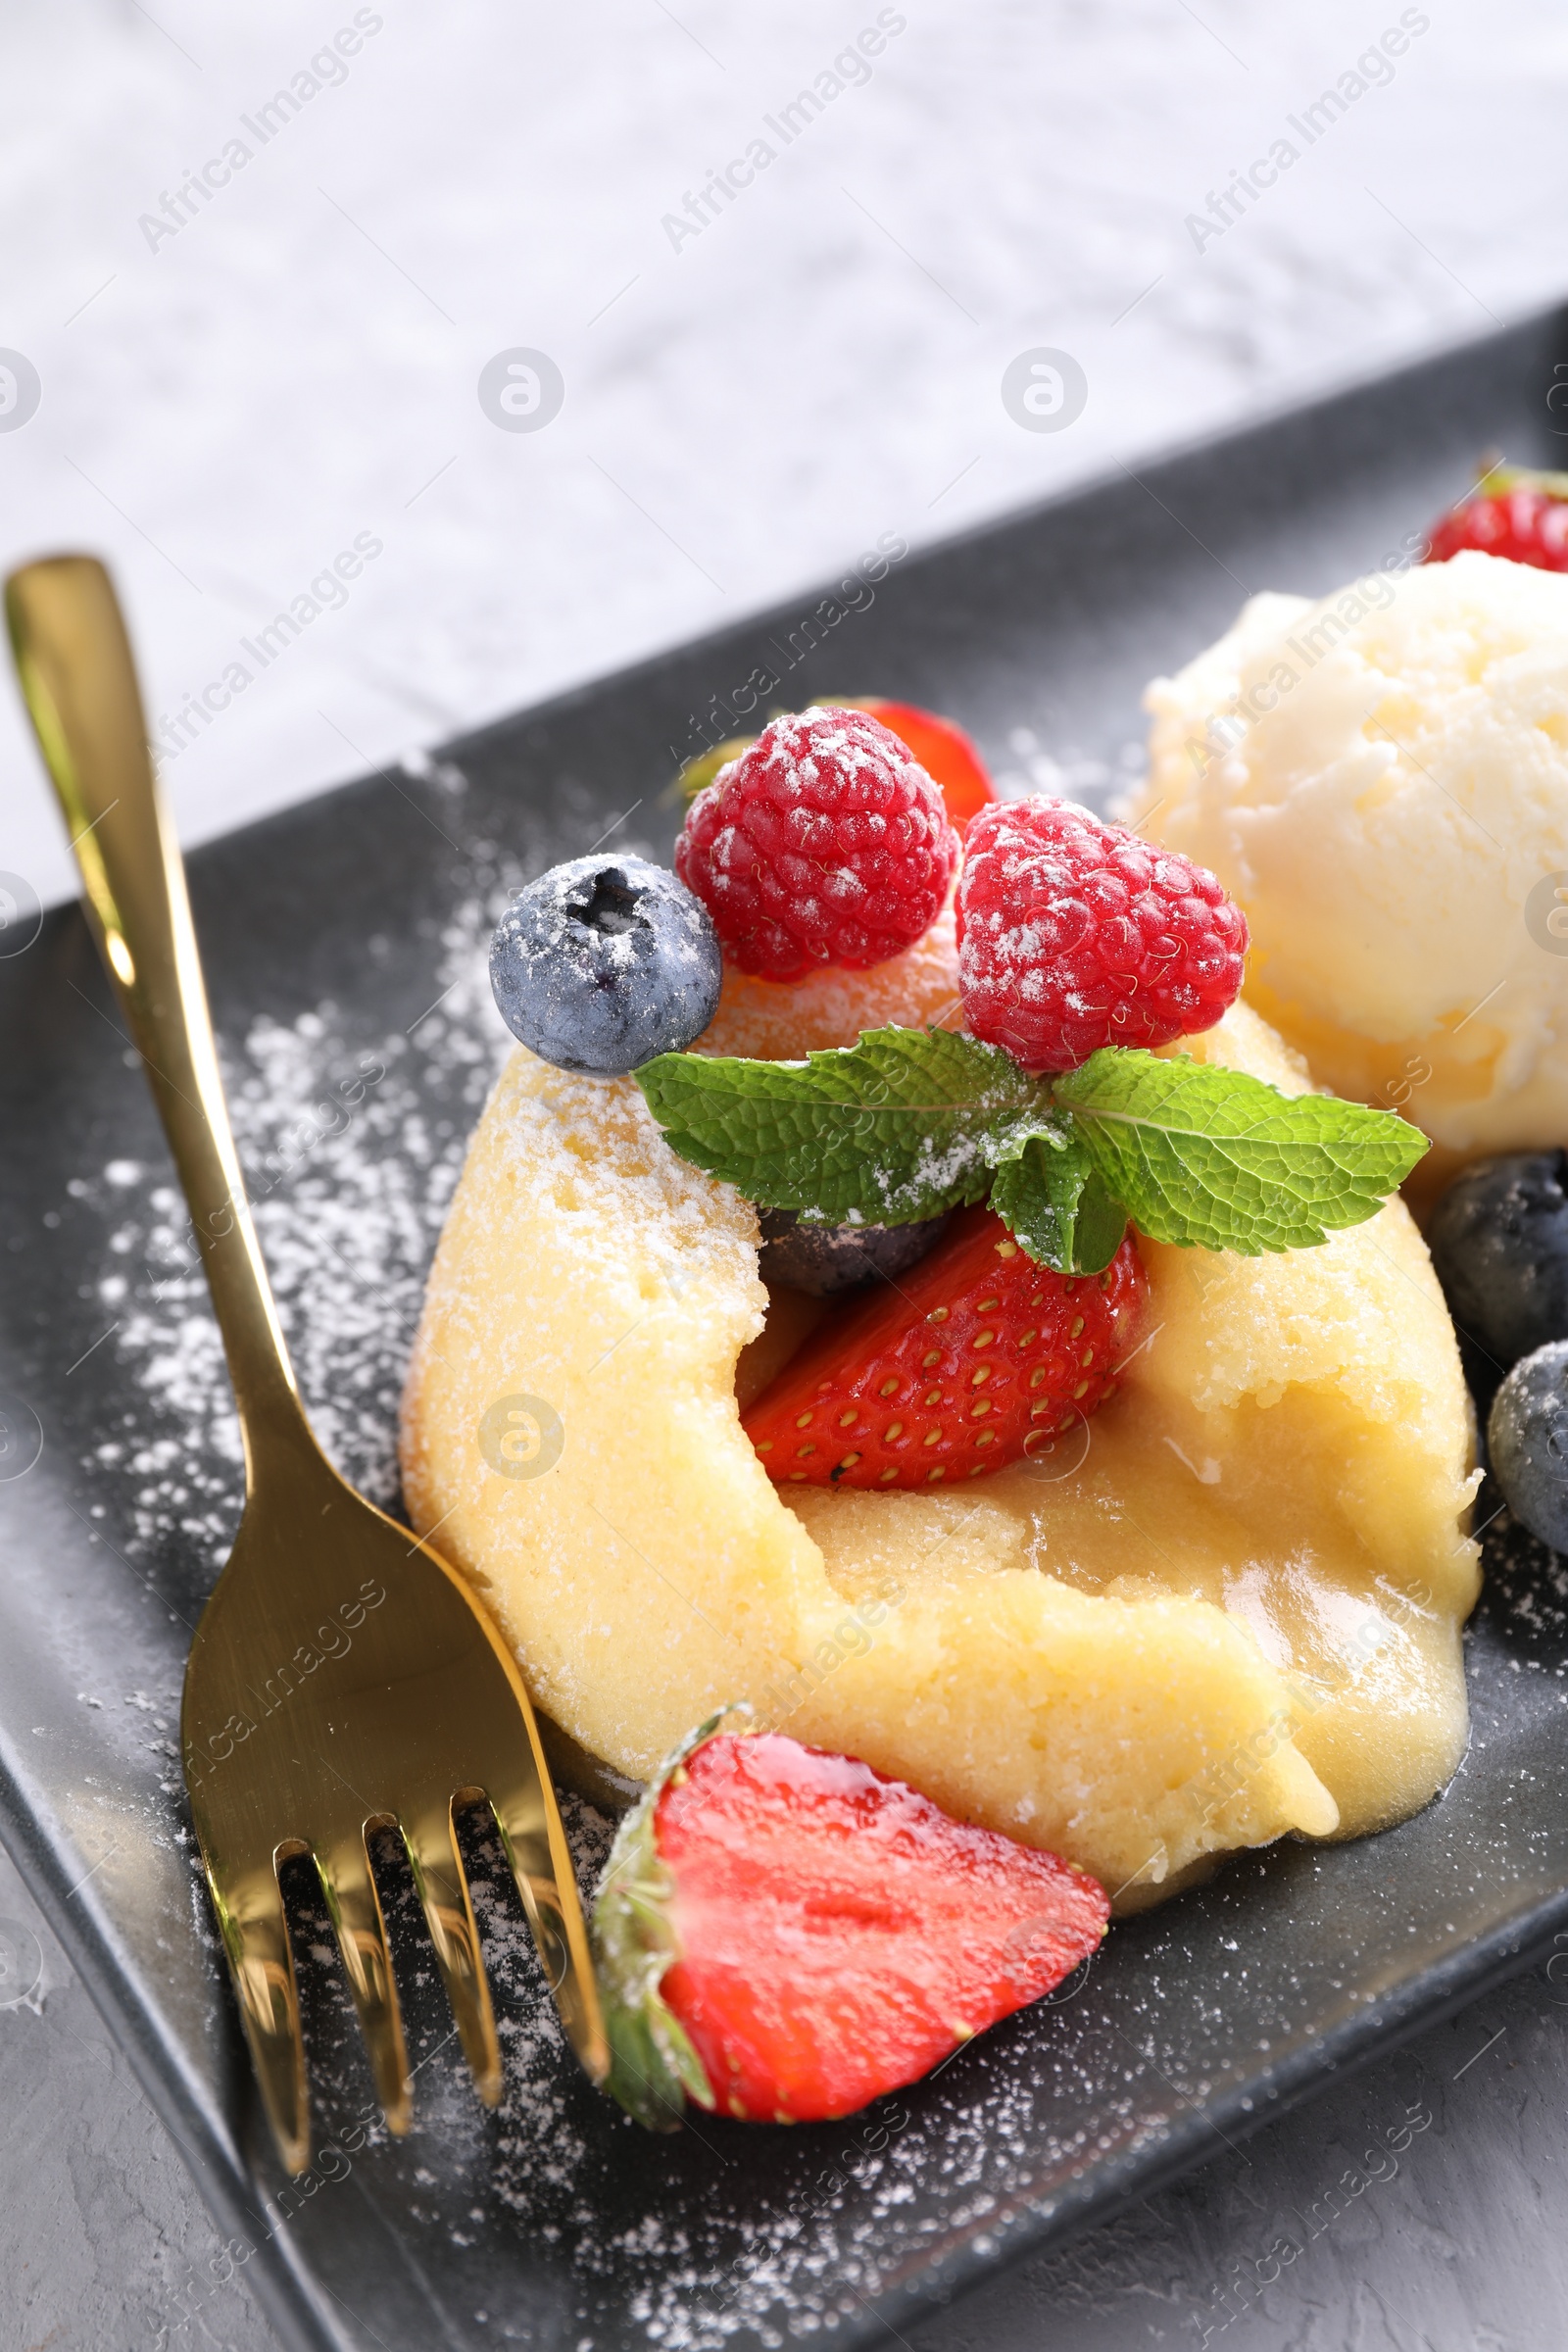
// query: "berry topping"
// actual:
[[787, 1935], [1499, 1238], [824, 1259], [825, 842], [1074, 935], [1515, 514], [604, 963], [943, 751], [975, 1360], [1527, 1439]]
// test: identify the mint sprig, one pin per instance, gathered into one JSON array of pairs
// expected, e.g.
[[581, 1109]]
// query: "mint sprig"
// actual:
[[910, 1123]]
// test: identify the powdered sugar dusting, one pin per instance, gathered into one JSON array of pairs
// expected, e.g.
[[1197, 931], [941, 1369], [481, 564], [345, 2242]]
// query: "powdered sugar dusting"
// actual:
[[351, 1146], [353, 1137]]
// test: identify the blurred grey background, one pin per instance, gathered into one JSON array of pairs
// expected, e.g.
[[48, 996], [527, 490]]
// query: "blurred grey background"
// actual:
[[258, 259], [242, 335]]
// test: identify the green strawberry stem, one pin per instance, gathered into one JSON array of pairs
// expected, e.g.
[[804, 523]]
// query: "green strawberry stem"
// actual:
[[1500, 479], [653, 2067], [698, 773]]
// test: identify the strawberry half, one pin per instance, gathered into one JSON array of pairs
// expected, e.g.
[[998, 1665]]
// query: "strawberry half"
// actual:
[[973, 1359], [1514, 512], [785, 1935]]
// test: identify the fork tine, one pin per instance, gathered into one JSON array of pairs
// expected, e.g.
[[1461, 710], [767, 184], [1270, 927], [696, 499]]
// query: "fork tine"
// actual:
[[541, 1863], [344, 1871], [250, 1911], [443, 1890]]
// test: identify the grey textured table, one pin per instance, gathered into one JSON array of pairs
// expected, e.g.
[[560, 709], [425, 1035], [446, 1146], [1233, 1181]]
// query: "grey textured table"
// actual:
[[1456, 2241]]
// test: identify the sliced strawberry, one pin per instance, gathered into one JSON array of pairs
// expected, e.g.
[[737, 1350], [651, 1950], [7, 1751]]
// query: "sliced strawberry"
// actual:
[[973, 1359], [1514, 512], [787, 1935], [943, 750]]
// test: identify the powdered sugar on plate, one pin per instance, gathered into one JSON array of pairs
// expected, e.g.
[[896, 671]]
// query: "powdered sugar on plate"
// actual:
[[352, 1138], [351, 1146]]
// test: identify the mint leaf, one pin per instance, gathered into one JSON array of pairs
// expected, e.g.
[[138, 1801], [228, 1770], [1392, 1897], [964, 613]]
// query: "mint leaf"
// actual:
[[1206, 1156], [899, 1127], [1049, 1194], [912, 1122]]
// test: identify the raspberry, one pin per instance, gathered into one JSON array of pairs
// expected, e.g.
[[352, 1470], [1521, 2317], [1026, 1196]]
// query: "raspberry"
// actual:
[[943, 751], [1520, 516], [1074, 935], [825, 842], [977, 1358]]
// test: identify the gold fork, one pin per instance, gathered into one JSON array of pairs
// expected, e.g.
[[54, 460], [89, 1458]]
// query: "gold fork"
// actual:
[[343, 1677]]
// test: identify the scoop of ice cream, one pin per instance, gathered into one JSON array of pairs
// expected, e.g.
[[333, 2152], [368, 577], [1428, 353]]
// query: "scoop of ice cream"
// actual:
[[1381, 779]]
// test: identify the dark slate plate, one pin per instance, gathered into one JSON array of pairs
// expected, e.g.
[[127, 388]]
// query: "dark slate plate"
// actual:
[[344, 949]]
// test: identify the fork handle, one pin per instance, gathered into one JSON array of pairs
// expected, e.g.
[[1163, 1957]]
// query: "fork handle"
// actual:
[[77, 678]]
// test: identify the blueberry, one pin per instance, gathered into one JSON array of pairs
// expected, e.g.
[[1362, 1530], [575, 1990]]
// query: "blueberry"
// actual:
[[1527, 1437], [1499, 1238], [824, 1259], [604, 963]]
